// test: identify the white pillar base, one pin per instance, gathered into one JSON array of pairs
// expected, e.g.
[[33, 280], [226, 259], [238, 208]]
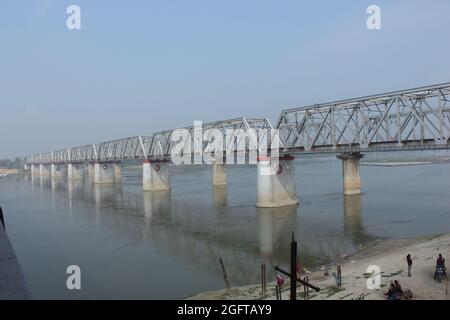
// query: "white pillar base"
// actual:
[[155, 176], [219, 175], [57, 170], [276, 183], [75, 171], [104, 173], [350, 172]]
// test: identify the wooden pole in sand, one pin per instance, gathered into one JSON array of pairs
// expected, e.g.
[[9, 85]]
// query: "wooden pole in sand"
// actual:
[[307, 288], [278, 291], [339, 276], [293, 275], [225, 277], [304, 290], [263, 279], [299, 280], [2, 219], [446, 289]]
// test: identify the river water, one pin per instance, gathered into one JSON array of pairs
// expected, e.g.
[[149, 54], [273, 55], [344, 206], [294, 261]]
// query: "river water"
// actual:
[[166, 245]]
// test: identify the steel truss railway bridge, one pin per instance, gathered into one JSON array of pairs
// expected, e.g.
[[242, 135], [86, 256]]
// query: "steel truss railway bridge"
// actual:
[[414, 119]]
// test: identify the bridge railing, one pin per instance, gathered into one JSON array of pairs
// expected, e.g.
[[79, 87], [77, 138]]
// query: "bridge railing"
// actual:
[[160, 144], [86, 153]]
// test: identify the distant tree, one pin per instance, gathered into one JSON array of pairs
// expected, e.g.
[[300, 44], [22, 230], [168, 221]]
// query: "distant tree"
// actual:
[[18, 162], [6, 163]]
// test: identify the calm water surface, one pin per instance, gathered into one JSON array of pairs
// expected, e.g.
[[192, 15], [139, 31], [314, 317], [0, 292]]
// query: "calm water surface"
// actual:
[[166, 245]]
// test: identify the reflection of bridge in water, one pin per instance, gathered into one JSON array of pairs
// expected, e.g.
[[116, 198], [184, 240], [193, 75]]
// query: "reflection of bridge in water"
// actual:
[[182, 230], [353, 221]]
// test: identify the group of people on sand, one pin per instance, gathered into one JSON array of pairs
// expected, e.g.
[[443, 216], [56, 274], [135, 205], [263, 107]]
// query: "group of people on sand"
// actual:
[[440, 263], [395, 291]]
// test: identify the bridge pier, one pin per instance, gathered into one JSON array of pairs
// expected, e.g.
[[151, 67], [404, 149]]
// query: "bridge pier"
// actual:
[[276, 186], [104, 172], [44, 170], [91, 172], [75, 171], [219, 175], [118, 171], [57, 170], [155, 175], [350, 172]]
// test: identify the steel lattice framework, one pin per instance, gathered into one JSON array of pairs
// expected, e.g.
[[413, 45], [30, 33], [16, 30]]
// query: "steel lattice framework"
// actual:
[[415, 119], [156, 146]]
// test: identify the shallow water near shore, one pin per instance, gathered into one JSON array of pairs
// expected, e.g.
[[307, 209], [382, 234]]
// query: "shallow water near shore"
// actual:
[[166, 245]]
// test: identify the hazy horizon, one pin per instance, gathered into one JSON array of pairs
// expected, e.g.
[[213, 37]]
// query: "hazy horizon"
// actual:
[[141, 68]]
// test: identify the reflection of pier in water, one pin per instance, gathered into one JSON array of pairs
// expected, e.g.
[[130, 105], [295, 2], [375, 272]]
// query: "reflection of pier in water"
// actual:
[[353, 222], [188, 232]]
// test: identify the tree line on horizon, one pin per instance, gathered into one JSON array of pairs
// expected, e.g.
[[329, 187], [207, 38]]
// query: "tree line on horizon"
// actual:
[[11, 164]]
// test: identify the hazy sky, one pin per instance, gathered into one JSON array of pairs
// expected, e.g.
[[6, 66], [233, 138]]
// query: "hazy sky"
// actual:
[[137, 67]]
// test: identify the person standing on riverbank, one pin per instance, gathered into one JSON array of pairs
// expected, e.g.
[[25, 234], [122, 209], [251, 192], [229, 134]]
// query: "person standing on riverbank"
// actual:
[[409, 261]]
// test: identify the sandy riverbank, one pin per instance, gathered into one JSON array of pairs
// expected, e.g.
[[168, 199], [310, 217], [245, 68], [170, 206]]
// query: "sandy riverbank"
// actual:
[[8, 172], [389, 255]]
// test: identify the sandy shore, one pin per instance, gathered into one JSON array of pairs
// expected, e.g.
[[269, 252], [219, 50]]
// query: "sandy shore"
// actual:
[[6, 172], [389, 255]]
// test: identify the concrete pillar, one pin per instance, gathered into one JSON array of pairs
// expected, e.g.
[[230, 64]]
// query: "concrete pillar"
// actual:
[[350, 172], [104, 173], [75, 171], [26, 167], [91, 172], [155, 175], [57, 170], [44, 170], [276, 182], [219, 176], [118, 171]]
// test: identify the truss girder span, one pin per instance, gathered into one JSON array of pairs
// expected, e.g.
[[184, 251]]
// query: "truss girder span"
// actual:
[[410, 119], [156, 146]]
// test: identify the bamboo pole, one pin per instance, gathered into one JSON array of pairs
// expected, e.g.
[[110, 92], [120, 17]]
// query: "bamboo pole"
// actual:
[[293, 275], [225, 277]]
